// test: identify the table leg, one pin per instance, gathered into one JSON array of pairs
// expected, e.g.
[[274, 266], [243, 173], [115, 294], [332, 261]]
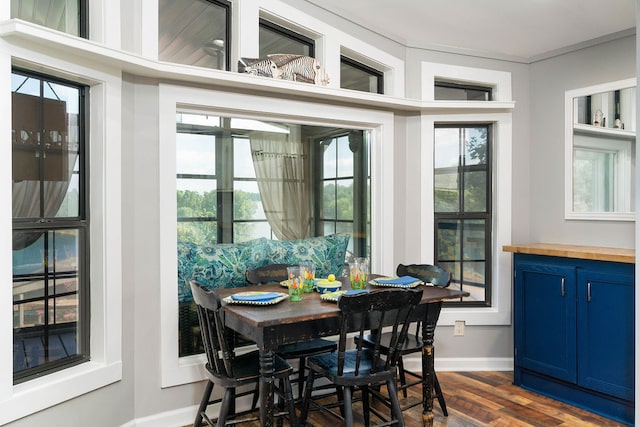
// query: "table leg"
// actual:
[[266, 387], [428, 378]]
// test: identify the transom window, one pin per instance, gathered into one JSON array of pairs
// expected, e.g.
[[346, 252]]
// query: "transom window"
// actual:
[[50, 227], [457, 91], [357, 76], [276, 39], [462, 208], [195, 32], [68, 16]]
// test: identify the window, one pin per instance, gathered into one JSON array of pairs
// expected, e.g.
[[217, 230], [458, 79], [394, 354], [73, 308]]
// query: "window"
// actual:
[[228, 169], [50, 227], [195, 32], [454, 91], [344, 205], [600, 168], [462, 208], [600, 152], [68, 16], [357, 76], [276, 39]]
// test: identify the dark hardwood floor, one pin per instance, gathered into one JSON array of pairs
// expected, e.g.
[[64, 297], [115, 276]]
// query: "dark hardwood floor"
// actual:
[[484, 399]]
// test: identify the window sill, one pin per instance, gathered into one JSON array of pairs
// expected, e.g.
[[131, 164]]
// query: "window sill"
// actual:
[[41, 393]]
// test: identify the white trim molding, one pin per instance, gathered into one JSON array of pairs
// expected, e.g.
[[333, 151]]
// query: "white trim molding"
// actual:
[[499, 313]]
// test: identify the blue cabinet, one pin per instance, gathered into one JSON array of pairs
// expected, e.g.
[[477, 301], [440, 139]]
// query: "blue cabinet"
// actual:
[[574, 331]]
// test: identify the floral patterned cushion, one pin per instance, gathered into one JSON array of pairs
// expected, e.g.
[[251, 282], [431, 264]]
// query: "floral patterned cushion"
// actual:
[[224, 265], [326, 252], [217, 266]]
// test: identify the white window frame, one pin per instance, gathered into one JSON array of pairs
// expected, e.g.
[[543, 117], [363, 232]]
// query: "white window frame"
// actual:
[[500, 311], [570, 123], [176, 370], [105, 366]]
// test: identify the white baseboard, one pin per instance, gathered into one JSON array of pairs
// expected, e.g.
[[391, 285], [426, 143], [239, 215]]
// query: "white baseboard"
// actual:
[[461, 364], [175, 418], [184, 416]]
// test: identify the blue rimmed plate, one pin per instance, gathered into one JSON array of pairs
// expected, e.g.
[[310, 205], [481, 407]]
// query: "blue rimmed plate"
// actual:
[[335, 296], [255, 298], [396, 282]]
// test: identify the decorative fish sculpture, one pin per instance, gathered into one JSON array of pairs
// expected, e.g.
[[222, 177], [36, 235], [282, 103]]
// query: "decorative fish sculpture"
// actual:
[[259, 67], [299, 68]]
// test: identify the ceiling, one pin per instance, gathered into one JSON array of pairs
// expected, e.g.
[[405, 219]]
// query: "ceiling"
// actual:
[[523, 30]]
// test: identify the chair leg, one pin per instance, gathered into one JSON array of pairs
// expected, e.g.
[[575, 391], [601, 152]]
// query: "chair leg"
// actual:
[[396, 411], [308, 386], [204, 402], [279, 401], [443, 405], [403, 377], [301, 371], [340, 394], [347, 405], [365, 405], [227, 400], [256, 395], [293, 421]]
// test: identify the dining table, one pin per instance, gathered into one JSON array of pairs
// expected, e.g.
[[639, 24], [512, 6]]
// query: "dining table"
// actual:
[[286, 322]]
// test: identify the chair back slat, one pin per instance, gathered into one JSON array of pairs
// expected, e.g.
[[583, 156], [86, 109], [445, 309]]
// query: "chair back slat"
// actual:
[[215, 337], [428, 273], [374, 311], [272, 273]]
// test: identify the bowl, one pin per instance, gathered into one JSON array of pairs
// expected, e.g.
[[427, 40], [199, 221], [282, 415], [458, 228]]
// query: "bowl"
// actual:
[[324, 285]]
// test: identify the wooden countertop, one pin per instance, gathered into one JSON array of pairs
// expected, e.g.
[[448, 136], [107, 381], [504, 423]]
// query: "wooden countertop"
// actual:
[[575, 251]]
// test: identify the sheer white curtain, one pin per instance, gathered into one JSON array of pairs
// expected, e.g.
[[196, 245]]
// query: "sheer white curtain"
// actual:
[[281, 170]]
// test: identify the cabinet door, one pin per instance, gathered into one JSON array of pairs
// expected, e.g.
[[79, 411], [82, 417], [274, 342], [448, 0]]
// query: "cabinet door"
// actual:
[[606, 330], [545, 319]]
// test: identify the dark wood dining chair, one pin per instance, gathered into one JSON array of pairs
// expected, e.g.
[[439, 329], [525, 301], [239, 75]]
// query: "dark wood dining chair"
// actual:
[[437, 276], [276, 273], [230, 371], [362, 367]]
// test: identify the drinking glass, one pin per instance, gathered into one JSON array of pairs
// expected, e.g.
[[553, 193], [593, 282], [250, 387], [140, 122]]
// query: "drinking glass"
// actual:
[[308, 272], [294, 283], [358, 273]]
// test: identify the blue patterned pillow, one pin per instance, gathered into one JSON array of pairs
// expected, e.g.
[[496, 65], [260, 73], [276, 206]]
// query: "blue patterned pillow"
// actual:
[[217, 266], [326, 252]]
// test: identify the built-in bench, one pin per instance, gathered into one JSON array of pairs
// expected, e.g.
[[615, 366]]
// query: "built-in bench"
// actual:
[[224, 266]]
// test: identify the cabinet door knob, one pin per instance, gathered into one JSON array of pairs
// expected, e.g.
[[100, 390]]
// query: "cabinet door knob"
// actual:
[[588, 291], [562, 287]]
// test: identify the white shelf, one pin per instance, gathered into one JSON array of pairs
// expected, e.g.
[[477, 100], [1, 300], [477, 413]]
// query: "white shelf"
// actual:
[[584, 129], [22, 34]]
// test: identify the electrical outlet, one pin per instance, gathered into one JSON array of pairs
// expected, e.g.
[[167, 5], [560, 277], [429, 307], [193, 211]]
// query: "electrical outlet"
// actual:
[[458, 329]]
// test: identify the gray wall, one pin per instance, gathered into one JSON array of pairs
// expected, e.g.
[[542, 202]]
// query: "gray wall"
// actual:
[[549, 80]]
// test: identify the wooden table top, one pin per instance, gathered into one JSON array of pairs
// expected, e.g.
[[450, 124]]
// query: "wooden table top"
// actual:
[[311, 307], [575, 251]]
